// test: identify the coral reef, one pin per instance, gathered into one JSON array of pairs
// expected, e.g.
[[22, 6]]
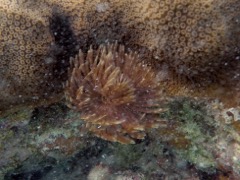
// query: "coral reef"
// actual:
[[117, 102], [183, 48], [204, 134], [195, 45], [30, 145], [31, 70]]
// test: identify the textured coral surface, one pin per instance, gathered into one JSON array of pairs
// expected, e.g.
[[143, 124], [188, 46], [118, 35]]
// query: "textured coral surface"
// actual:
[[194, 44], [32, 59]]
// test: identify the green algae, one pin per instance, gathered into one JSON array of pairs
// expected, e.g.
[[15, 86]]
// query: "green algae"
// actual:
[[198, 128]]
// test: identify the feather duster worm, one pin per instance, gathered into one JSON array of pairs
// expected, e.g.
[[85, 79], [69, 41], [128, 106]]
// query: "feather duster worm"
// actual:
[[118, 96]]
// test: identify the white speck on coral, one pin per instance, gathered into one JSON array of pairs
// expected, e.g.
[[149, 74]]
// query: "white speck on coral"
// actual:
[[102, 7], [49, 60]]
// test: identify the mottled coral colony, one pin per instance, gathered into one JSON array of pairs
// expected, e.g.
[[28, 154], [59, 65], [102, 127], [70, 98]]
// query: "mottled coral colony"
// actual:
[[172, 48]]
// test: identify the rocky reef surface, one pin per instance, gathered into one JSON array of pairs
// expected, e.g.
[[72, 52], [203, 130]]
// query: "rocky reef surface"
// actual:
[[200, 141]]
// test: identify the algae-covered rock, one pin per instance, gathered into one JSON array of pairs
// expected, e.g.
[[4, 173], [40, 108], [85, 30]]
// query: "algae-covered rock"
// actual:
[[200, 139]]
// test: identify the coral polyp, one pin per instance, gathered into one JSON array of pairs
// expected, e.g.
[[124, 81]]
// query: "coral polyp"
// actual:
[[118, 95]]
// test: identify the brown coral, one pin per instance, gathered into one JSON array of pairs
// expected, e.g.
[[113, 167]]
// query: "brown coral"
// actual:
[[29, 61], [116, 94], [194, 44], [25, 43]]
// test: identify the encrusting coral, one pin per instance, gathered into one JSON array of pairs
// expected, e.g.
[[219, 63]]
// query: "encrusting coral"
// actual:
[[195, 44], [32, 58], [25, 43], [116, 94]]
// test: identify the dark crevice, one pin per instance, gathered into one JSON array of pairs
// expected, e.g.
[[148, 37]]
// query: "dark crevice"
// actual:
[[65, 44]]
